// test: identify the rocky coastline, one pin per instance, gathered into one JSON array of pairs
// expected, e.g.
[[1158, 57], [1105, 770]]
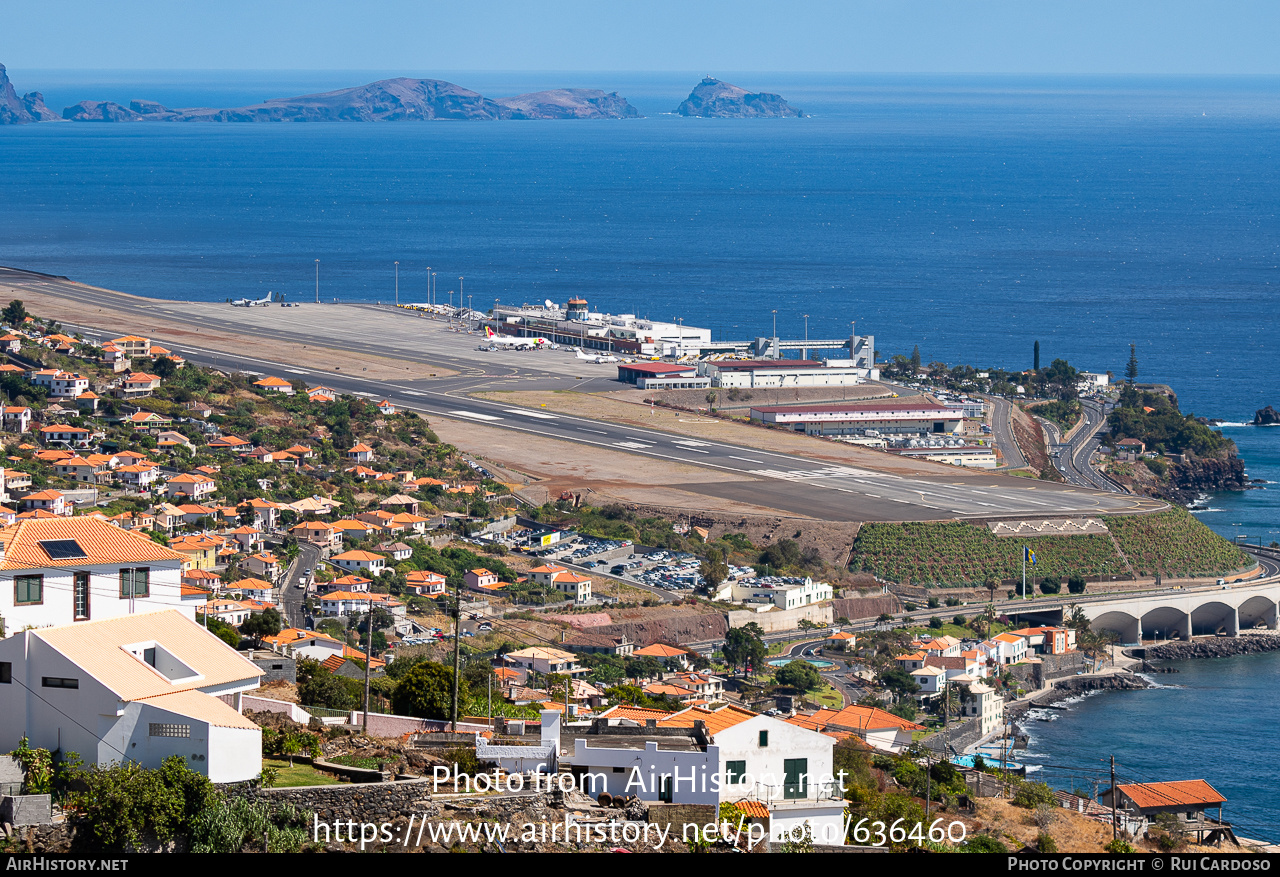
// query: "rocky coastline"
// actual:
[[1214, 647], [1073, 686]]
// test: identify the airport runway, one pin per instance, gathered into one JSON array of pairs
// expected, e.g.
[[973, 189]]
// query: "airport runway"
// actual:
[[783, 481]]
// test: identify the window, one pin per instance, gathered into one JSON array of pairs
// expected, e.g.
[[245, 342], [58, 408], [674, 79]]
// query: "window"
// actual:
[[164, 729], [58, 682], [135, 582], [735, 771], [795, 777], [6, 672], [28, 589], [665, 790], [764, 738], [81, 589]]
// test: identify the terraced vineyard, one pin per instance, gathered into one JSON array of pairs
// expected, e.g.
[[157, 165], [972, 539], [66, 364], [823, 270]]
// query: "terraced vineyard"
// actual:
[[1173, 542]]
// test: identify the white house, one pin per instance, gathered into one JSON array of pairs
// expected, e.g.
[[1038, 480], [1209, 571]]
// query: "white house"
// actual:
[[877, 728], [56, 571], [729, 754], [138, 688], [360, 561], [985, 705]]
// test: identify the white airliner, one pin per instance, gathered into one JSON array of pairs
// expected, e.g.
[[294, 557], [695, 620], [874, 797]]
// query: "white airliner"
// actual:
[[496, 340], [248, 303], [599, 357]]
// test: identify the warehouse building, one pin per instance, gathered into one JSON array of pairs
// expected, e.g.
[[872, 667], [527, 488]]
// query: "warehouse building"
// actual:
[[916, 416], [770, 373]]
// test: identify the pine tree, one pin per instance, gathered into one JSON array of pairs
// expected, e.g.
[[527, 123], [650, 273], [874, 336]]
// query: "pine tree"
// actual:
[[1036, 364], [915, 358], [1131, 370]]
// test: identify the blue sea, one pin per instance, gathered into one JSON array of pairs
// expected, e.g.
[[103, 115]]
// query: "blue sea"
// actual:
[[972, 216]]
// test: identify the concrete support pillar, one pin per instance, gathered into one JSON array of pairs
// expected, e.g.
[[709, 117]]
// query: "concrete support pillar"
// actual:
[[1135, 632], [1272, 617], [1186, 627], [1233, 622]]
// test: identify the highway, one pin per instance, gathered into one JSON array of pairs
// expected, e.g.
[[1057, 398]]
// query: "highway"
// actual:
[[1073, 460], [786, 482], [1002, 432]]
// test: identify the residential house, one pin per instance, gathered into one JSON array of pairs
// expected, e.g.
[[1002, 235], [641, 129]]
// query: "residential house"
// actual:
[[264, 565], [17, 418], [984, 704], [600, 644], [1185, 800], [60, 384], [426, 584], [275, 385], [199, 550], [396, 550], [785, 770], [875, 727], [572, 585], [137, 385], [229, 443], [322, 394], [247, 538], [338, 604], [139, 476], [842, 641], [138, 688], [58, 570], [71, 436], [317, 533], [254, 589], [1005, 648], [355, 584], [304, 644], [133, 345], [671, 656], [232, 612], [360, 453], [543, 659], [356, 561], [265, 513], [51, 501], [190, 485]]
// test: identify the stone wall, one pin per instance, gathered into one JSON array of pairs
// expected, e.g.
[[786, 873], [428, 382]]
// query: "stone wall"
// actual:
[[780, 620]]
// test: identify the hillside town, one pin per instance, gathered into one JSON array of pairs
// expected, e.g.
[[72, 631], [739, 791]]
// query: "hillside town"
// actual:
[[274, 586]]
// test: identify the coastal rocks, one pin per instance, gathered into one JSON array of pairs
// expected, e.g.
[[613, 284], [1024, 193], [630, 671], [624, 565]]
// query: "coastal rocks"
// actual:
[[713, 99], [1113, 682], [1207, 475], [33, 102], [19, 111], [1266, 417], [569, 103], [1216, 647]]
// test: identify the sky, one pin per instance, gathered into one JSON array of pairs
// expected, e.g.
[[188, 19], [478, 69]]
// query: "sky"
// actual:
[[417, 37]]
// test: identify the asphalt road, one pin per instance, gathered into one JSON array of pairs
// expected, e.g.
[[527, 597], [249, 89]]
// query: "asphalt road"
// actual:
[[783, 481], [1002, 432]]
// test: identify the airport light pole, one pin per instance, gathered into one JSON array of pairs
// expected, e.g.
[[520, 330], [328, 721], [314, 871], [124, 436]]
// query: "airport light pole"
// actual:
[[435, 299], [317, 281], [468, 311], [806, 337], [428, 284], [775, 333], [450, 307], [680, 347], [397, 284]]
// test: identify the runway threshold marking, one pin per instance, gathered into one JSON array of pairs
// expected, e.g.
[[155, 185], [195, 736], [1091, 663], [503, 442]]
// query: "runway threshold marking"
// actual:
[[474, 415], [639, 446], [537, 414]]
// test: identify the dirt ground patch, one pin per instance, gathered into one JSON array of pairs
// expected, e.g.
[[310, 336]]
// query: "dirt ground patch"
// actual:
[[1030, 438]]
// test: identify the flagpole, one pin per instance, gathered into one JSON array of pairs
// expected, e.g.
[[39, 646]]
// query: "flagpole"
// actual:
[[1024, 572]]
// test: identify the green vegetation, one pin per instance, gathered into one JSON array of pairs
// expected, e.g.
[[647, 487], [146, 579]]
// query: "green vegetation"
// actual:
[[800, 675], [1163, 429], [287, 776], [1064, 414], [950, 553], [1174, 543]]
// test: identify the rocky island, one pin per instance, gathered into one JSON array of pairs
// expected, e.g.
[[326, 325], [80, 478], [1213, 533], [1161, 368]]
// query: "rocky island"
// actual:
[[388, 100], [16, 110], [713, 99], [1266, 417]]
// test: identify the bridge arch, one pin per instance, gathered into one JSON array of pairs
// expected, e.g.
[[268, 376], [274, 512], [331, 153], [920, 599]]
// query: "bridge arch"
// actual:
[[1166, 622], [1258, 610], [1214, 617], [1124, 623]]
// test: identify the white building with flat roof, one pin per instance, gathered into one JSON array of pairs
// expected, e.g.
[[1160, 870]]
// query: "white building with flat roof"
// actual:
[[912, 416]]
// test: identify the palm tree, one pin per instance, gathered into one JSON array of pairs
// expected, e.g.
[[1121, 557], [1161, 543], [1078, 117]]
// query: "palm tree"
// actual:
[[989, 616]]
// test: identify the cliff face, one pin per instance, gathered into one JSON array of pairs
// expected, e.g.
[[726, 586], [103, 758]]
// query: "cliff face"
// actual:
[[569, 103], [99, 111], [713, 99], [15, 110]]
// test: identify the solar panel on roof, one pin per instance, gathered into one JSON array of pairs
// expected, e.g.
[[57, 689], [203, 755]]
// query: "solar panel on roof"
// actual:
[[62, 549]]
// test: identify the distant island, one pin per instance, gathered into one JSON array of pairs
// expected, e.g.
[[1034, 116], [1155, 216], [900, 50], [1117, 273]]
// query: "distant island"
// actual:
[[388, 100], [713, 99]]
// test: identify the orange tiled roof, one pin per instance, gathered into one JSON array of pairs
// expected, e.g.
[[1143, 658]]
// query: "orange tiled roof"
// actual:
[[717, 720], [1174, 794], [104, 543], [660, 650]]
